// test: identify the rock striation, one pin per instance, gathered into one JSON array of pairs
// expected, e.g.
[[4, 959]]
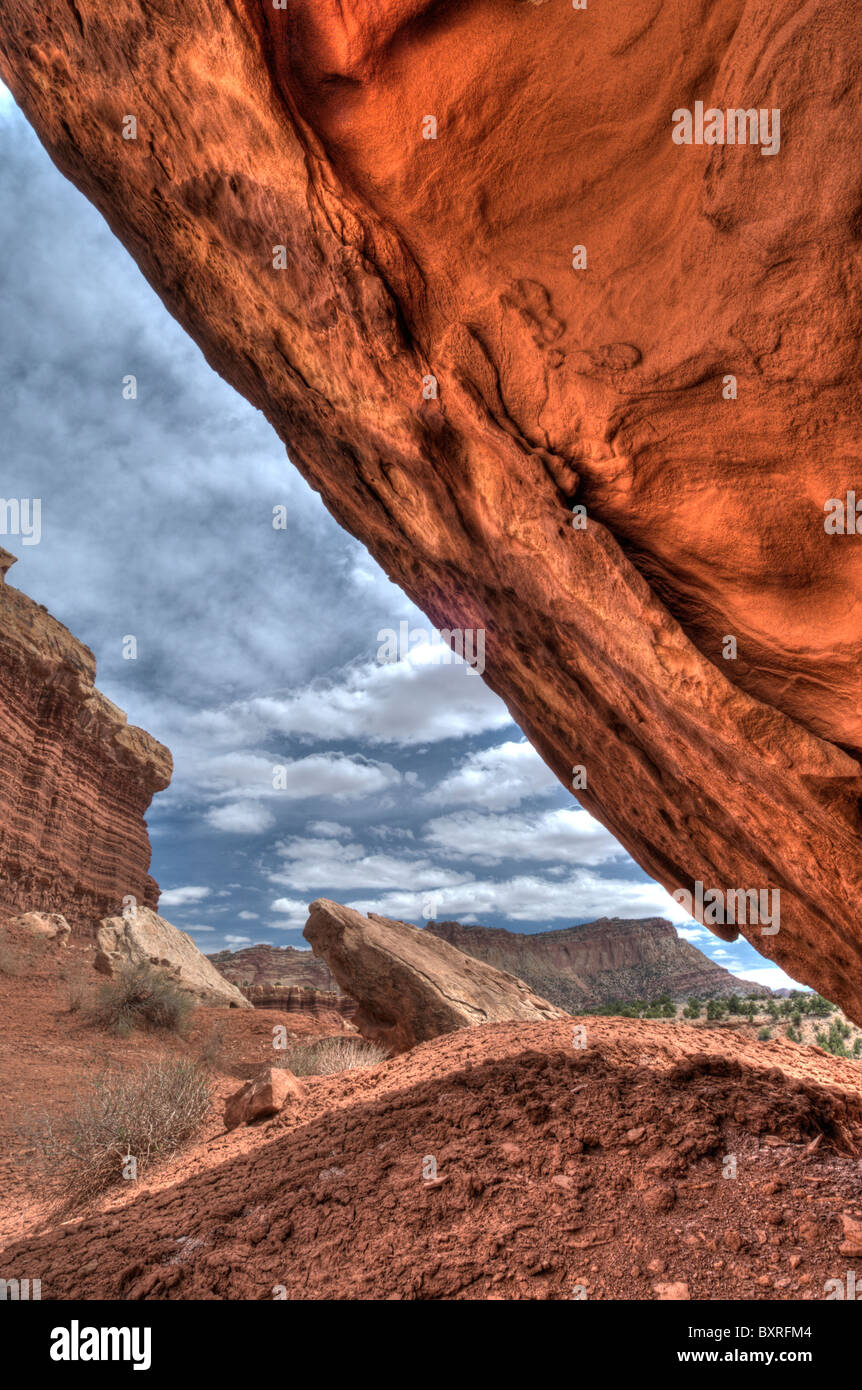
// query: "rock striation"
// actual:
[[284, 978], [604, 962], [409, 986], [455, 255], [76, 777], [273, 967], [143, 937]]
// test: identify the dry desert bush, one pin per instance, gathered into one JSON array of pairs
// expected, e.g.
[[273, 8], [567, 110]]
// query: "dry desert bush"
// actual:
[[141, 997], [144, 1115], [327, 1056]]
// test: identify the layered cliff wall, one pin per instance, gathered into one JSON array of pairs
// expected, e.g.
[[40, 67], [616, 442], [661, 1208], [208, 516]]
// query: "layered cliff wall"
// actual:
[[76, 777], [600, 963], [267, 967], [455, 254]]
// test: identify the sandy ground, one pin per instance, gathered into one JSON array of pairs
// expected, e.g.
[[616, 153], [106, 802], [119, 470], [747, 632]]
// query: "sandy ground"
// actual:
[[657, 1161]]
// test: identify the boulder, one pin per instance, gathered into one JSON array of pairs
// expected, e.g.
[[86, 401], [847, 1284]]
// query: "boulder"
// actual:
[[265, 1095], [409, 985], [143, 937], [49, 925]]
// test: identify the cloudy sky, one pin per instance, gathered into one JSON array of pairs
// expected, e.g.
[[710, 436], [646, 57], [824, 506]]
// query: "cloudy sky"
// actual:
[[305, 766]]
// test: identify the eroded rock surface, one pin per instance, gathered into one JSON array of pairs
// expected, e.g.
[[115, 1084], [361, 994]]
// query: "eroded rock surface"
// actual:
[[143, 937], [407, 312], [409, 985], [76, 777]]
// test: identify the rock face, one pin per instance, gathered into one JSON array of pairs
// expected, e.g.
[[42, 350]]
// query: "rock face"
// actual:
[[76, 777], [270, 967], [409, 986], [456, 256], [282, 977], [144, 937], [600, 963], [300, 999]]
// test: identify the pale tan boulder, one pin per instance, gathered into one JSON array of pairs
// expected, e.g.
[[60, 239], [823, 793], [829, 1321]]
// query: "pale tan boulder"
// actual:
[[409, 985], [145, 938], [49, 925]]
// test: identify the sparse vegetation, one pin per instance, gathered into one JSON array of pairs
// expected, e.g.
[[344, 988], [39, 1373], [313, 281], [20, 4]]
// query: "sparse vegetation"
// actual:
[[327, 1056], [144, 998], [835, 1041], [799, 1012], [75, 995], [146, 1115], [10, 959], [211, 1049]]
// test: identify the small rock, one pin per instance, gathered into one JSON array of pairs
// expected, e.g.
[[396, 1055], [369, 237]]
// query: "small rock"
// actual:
[[265, 1095], [852, 1242], [672, 1293]]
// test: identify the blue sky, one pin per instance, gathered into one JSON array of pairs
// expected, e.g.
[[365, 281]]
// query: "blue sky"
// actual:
[[406, 788]]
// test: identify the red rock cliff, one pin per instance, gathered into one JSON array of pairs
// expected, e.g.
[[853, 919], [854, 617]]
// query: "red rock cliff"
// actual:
[[76, 777], [411, 315]]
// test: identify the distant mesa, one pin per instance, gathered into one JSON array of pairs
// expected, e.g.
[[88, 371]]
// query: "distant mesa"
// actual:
[[609, 961]]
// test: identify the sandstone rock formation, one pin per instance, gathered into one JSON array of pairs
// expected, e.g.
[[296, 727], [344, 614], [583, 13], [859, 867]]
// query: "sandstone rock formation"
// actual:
[[600, 963], [282, 977], [142, 937], [265, 1095], [273, 967], [409, 986], [76, 777], [299, 999], [455, 255], [49, 926]]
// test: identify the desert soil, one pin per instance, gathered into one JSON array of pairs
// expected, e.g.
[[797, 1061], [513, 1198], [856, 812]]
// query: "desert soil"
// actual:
[[502, 1162]]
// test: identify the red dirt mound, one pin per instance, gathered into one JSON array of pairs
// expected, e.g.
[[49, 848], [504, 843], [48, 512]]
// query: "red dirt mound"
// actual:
[[502, 1162]]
